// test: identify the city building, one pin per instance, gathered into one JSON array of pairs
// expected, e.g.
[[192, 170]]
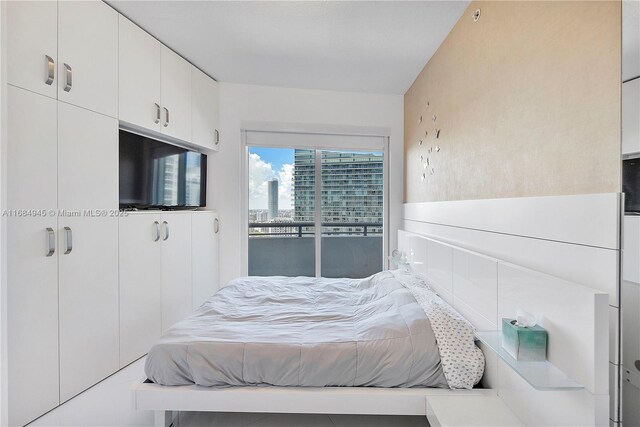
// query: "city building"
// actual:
[[272, 201], [352, 189]]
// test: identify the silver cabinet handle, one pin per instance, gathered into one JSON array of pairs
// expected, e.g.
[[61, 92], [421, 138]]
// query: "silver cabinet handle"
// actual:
[[69, 238], [157, 224], [68, 73], [51, 69], [157, 120], [216, 226], [166, 112], [217, 137], [166, 230], [51, 241]]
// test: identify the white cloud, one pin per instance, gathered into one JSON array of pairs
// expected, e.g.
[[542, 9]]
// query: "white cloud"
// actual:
[[285, 190], [259, 173]]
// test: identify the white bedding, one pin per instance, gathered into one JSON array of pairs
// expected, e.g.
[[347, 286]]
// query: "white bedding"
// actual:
[[386, 331]]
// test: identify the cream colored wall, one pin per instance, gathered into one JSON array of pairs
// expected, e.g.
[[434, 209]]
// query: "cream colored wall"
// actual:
[[527, 101]]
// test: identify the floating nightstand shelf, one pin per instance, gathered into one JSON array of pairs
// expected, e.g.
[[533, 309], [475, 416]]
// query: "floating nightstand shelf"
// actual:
[[541, 375]]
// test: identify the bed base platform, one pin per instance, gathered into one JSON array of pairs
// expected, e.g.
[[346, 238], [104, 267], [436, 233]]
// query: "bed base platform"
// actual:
[[167, 401]]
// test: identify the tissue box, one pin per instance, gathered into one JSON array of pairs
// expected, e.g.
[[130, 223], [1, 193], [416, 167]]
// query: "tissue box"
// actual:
[[524, 343]]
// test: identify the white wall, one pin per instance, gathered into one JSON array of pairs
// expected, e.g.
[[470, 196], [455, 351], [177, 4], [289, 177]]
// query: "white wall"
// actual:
[[247, 103]]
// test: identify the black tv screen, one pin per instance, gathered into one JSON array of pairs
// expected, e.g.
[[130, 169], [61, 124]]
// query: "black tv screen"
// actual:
[[157, 175], [631, 185]]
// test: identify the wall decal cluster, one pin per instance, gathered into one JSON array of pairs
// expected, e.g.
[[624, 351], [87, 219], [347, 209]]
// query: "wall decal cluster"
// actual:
[[426, 156]]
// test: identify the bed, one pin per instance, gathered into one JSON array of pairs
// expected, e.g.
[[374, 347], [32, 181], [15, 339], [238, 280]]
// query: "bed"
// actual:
[[387, 330], [452, 287]]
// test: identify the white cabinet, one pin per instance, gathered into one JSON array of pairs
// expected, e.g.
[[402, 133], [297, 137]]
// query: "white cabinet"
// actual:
[[32, 276], [139, 71], [88, 285], [62, 263], [88, 248], [630, 39], [140, 287], [66, 50], [204, 110], [631, 117], [168, 267], [32, 45], [88, 55], [176, 267], [204, 256], [631, 249], [175, 95]]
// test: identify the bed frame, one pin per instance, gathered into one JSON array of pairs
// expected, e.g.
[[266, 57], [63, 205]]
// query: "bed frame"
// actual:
[[484, 290]]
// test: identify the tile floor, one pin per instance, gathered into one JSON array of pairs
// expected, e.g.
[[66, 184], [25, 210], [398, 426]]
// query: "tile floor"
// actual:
[[108, 404]]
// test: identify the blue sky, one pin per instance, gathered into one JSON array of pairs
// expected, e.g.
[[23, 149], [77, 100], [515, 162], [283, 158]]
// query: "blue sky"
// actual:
[[275, 156]]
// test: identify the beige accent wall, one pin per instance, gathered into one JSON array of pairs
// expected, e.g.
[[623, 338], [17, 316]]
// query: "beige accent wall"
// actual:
[[527, 101]]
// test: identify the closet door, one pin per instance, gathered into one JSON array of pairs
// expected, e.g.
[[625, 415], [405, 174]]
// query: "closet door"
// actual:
[[177, 301], [176, 95], [32, 267], [139, 77], [88, 53], [204, 110], [204, 256], [140, 288], [32, 45], [87, 247]]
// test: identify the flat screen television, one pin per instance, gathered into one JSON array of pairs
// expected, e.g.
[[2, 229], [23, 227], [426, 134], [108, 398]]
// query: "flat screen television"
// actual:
[[631, 185], [157, 175]]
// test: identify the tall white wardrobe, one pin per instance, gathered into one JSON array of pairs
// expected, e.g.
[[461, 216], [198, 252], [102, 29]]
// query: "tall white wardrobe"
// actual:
[[88, 293]]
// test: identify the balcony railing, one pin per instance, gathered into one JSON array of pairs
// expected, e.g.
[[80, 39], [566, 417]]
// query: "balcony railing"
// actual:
[[352, 249], [299, 229]]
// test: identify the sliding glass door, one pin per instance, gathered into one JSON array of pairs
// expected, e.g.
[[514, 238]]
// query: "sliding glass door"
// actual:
[[315, 212]]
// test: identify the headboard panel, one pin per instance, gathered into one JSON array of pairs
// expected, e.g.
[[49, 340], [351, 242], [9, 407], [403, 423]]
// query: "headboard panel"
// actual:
[[485, 290]]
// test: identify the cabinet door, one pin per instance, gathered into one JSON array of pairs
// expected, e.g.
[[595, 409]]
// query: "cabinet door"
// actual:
[[204, 256], [139, 76], [176, 267], [32, 276], [87, 160], [32, 179], [31, 37], [176, 95], [88, 55], [204, 110], [88, 283], [631, 117], [140, 287]]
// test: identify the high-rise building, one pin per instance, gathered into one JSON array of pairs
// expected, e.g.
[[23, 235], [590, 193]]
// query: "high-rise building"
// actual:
[[272, 201], [352, 189]]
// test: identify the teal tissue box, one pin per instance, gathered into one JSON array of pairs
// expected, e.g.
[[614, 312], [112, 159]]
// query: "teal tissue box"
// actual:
[[524, 343]]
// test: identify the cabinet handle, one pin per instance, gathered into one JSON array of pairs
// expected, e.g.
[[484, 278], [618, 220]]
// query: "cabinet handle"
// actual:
[[51, 241], [157, 120], [166, 111], [69, 238], [166, 230], [157, 224], [216, 225], [68, 74], [217, 137], [51, 69]]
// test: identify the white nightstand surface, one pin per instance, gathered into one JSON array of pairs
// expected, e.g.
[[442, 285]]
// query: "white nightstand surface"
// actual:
[[470, 411]]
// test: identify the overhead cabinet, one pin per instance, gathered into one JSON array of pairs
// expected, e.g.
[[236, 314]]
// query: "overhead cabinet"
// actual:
[[631, 117], [162, 92], [205, 110], [155, 84], [66, 50]]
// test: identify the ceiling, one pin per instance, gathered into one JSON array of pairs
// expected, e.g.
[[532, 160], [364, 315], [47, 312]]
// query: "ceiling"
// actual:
[[359, 46]]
